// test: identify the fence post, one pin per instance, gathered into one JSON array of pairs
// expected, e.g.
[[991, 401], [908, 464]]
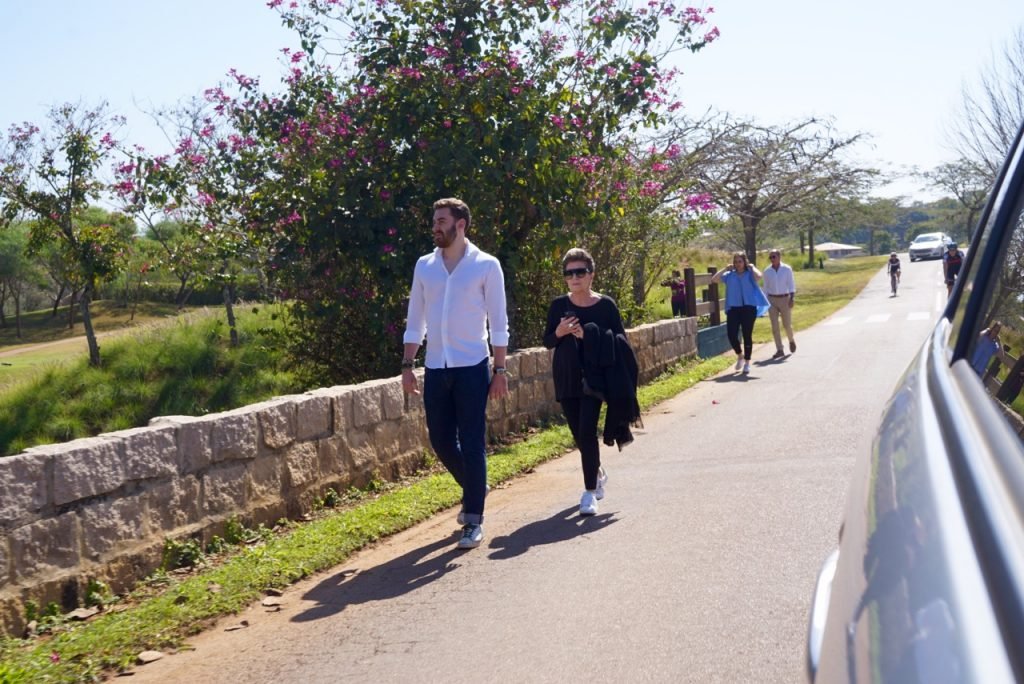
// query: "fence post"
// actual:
[[716, 304], [690, 280], [1013, 382]]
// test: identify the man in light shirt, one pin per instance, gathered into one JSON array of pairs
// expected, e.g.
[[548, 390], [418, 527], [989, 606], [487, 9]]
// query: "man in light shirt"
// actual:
[[457, 297], [780, 287]]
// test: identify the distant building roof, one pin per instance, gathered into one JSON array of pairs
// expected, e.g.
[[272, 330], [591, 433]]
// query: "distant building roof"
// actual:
[[835, 247]]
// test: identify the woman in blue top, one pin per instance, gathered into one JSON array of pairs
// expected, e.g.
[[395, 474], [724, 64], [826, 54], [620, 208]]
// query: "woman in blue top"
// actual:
[[744, 302]]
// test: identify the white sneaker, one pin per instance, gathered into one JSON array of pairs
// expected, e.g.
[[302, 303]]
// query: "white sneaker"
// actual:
[[746, 368], [472, 535], [602, 480], [739, 362], [588, 503]]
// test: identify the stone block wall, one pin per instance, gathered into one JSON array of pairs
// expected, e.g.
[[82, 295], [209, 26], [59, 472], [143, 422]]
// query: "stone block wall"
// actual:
[[101, 508]]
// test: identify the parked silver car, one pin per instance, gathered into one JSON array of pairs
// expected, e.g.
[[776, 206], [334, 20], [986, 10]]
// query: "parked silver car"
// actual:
[[927, 582], [929, 246]]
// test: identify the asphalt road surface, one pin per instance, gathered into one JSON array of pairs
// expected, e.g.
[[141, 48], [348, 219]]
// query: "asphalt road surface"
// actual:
[[699, 566]]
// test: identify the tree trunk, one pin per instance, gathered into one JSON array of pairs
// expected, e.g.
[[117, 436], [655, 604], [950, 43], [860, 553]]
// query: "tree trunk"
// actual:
[[17, 314], [639, 277], [56, 301], [71, 309], [802, 249], [871, 241], [750, 239], [229, 307], [179, 299], [810, 247], [3, 300], [90, 334]]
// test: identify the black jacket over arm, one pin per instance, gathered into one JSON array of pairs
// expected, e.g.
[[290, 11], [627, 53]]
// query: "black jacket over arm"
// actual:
[[603, 358]]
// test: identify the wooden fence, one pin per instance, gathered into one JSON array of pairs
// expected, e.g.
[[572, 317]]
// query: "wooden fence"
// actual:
[[710, 304], [1005, 390]]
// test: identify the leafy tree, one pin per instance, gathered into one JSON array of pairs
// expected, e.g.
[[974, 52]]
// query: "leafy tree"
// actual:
[[754, 171], [17, 271], [990, 114], [52, 177], [968, 183], [201, 187], [521, 108]]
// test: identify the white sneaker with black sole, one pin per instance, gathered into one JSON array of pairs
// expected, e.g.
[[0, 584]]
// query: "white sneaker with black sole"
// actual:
[[739, 362]]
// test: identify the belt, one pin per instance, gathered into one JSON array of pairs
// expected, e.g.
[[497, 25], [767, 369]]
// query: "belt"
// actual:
[[781, 295]]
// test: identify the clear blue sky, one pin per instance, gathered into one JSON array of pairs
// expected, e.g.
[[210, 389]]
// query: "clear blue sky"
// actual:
[[892, 68]]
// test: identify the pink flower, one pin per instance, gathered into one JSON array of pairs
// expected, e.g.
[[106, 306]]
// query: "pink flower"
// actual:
[[392, 231], [385, 195], [388, 249], [447, 123]]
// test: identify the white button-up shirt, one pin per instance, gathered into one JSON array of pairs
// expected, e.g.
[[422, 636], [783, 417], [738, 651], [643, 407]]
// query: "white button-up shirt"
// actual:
[[455, 310], [779, 282]]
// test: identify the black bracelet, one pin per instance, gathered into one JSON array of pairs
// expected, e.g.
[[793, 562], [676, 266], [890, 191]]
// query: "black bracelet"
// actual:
[[408, 363]]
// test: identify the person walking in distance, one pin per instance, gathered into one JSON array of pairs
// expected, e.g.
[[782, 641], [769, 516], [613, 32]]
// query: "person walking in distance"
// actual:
[[780, 286], [592, 364], [744, 302], [457, 301], [678, 287]]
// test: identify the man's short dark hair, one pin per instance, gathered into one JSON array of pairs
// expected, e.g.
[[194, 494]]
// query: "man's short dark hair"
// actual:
[[456, 206]]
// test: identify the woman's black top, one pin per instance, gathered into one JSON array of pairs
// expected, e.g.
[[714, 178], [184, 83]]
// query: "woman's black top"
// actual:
[[566, 366]]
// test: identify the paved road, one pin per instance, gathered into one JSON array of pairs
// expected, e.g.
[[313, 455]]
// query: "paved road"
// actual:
[[698, 568]]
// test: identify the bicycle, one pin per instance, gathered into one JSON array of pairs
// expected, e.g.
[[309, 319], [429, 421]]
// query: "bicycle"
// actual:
[[893, 266]]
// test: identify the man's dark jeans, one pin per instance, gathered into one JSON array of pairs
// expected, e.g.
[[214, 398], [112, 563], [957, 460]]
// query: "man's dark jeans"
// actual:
[[455, 400]]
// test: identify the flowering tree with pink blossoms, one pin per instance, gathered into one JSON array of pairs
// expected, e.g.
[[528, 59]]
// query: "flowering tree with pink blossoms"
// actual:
[[203, 187], [524, 109], [51, 177]]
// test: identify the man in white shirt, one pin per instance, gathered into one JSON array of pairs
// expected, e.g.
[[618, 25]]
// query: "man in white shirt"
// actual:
[[458, 295], [780, 287]]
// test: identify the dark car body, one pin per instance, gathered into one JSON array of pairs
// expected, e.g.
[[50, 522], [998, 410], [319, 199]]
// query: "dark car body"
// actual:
[[929, 246], [927, 583]]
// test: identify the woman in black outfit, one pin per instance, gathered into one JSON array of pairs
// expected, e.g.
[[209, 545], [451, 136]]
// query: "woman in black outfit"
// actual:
[[568, 318]]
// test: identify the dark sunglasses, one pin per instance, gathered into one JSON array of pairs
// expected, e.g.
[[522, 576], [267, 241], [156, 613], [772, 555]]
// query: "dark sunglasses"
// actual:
[[576, 272]]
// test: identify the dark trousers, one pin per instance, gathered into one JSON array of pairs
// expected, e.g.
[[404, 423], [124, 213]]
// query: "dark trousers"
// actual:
[[455, 400], [741, 317], [677, 308], [582, 415]]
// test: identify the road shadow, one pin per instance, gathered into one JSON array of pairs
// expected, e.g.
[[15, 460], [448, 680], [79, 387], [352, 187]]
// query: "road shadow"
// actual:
[[735, 377], [560, 527], [770, 362], [399, 576]]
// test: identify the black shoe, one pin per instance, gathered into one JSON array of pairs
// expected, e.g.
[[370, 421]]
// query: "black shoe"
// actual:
[[779, 355]]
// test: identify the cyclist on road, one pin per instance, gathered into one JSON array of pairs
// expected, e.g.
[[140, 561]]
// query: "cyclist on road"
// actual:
[[893, 271], [952, 260]]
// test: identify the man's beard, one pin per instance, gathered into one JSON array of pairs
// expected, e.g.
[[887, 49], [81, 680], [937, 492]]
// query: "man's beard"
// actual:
[[444, 238]]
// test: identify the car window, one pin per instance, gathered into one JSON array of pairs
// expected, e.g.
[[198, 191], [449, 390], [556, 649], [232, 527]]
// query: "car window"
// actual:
[[995, 346]]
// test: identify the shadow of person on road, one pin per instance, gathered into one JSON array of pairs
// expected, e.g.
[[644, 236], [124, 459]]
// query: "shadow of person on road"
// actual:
[[562, 526], [734, 377], [406, 573]]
